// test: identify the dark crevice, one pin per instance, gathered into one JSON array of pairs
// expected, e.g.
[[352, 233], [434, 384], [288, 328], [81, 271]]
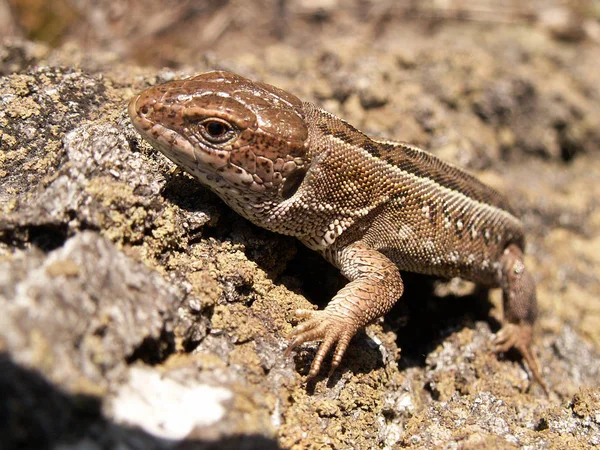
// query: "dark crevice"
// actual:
[[204, 232], [46, 237], [542, 425], [422, 320], [569, 147], [154, 351], [245, 294], [199, 330], [134, 145], [319, 280], [189, 345], [435, 394]]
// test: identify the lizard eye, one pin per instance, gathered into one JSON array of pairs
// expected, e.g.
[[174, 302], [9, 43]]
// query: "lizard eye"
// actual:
[[216, 131]]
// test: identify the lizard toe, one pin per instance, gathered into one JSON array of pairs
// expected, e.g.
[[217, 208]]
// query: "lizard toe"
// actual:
[[506, 338], [340, 349], [519, 337], [333, 331]]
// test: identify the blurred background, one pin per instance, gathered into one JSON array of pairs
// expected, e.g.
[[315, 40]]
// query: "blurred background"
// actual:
[[409, 63], [175, 32]]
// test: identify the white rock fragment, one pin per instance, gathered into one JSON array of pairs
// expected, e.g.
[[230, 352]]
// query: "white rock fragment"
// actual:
[[167, 408]]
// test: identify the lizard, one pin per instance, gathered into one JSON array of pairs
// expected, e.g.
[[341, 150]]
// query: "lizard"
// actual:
[[372, 207]]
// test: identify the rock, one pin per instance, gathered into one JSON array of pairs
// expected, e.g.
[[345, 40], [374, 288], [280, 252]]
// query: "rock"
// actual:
[[138, 311]]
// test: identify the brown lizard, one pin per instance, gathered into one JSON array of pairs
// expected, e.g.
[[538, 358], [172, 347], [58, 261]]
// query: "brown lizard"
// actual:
[[371, 207]]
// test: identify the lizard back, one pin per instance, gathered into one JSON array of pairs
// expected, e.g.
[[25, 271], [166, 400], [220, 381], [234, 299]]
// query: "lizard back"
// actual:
[[410, 158], [426, 215]]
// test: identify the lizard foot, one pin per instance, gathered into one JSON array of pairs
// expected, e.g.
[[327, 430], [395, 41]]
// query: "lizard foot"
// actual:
[[520, 337], [334, 331]]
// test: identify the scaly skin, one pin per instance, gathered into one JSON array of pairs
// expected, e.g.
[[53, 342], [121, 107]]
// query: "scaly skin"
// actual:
[[372, 207]]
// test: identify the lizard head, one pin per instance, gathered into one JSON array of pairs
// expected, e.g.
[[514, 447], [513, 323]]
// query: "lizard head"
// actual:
[[247, 141]]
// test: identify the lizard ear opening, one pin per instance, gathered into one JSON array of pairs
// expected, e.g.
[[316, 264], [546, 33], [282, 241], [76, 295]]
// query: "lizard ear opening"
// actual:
[[292, 183]]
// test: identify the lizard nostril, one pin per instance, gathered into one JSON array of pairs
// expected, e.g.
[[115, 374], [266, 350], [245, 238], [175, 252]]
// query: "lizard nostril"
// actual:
[[144, 110]]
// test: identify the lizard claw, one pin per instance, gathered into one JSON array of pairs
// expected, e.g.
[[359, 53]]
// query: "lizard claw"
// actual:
[[334, 331], [519, 336], [509, 336]]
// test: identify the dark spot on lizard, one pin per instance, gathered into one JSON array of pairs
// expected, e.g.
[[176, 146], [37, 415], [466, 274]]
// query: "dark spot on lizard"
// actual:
[[433, 211], [459, 226], [343, 136], [323, 128], [486, 236], [372, 148]]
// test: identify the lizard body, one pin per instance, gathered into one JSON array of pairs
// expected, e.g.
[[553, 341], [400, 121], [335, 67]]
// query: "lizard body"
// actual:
[[371, 207]]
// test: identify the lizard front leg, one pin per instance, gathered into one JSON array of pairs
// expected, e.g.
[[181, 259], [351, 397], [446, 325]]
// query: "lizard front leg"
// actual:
[[375, 285]]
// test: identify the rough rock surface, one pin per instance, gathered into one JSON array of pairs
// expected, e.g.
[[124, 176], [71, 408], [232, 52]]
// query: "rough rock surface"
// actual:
[[139, 311]]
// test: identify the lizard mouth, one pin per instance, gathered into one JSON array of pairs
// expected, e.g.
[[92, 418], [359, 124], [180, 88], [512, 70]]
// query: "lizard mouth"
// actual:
[[168, 142]]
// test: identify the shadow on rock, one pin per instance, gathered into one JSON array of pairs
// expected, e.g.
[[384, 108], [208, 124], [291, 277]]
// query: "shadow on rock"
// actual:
[[34, 413]]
